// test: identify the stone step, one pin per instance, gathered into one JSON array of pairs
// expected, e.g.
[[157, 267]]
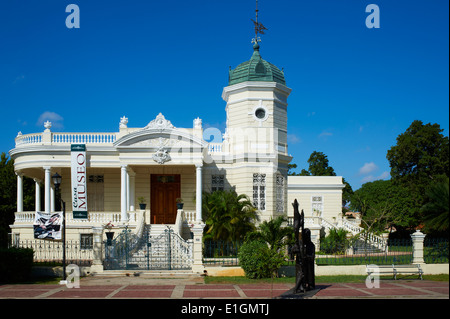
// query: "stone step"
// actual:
[[148, 273]]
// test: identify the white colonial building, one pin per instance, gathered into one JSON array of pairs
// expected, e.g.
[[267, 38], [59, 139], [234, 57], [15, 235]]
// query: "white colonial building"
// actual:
[[161, 162]]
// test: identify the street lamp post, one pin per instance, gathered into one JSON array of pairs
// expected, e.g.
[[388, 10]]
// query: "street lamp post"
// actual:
[[57, 182]]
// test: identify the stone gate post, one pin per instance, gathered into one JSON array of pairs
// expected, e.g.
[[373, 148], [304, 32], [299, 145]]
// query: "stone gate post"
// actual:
[[97, 264], [197, 249], [417, 242]]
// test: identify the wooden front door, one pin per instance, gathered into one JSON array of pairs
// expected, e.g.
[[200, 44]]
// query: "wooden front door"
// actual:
[[164, 191]]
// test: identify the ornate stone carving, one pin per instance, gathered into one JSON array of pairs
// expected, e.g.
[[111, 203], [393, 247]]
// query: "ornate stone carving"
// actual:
[[159, 122], [161, 156], [198, 123], [158, 142], [47, 126], [123, 122]]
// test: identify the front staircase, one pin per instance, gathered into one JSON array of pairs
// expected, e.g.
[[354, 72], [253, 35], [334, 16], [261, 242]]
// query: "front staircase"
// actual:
[[365, 243]]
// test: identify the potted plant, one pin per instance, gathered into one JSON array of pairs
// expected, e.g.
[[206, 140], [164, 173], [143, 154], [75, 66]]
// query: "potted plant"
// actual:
[[179, 203], [142, 203], [109, 233]]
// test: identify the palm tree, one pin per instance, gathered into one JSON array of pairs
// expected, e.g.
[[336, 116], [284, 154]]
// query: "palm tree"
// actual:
[[273, 233], [228, 216], [436, 210]]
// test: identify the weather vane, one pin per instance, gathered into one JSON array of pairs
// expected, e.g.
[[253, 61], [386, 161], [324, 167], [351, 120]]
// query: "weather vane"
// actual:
[[259, 28]]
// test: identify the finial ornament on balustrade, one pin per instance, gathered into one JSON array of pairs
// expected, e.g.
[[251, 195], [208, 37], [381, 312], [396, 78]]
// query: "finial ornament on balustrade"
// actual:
[[47, 126], [198, 123], [123, 122]]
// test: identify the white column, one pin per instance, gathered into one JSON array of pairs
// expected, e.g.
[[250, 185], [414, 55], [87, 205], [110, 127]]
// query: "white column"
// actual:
[[131, 187], [37, 196], [198, 196], [19, 192], [123, 193], [47, 189], [52, 199]]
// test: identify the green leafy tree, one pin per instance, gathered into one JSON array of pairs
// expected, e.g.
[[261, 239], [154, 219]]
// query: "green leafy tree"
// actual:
[[384, 204], [291, 168], [228, 216], [8, 196], [420, 157], [318, 166], [435, 211], [347, 194], [273, 233]]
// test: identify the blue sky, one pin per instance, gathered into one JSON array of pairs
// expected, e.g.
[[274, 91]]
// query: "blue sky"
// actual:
[[354, 89]]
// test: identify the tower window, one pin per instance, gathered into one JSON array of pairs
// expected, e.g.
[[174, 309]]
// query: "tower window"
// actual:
[[260, 113], [259, 191], [280, 193], [260, 69]]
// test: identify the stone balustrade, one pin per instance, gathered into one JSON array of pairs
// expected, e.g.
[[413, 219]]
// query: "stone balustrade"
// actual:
[[94, 218], [65, 138]]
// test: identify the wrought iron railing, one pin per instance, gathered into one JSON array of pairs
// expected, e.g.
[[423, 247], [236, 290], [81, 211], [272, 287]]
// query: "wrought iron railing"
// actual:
[[398, 251], [51, 251], [435, 250], [221, 253]]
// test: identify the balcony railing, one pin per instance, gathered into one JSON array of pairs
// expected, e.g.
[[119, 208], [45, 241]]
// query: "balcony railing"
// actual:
[[84, 138], [94, 218], [65, 138]]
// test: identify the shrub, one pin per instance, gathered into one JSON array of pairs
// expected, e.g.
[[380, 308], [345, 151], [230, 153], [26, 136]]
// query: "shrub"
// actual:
[[258, 260], [15, 264], [335, 243]]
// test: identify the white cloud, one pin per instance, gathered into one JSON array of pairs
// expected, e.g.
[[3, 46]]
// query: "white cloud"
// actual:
[[293, 139], [325, 134], [368, 168], [368, 178], [55, 118], [385, 175], [371, 178]]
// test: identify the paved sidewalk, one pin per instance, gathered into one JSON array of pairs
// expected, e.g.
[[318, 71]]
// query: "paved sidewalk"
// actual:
[[194, 288]]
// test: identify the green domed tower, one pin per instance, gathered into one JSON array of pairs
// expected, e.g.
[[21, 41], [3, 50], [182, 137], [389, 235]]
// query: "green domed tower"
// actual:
[[256, 96], [256, 133], [256, 69]]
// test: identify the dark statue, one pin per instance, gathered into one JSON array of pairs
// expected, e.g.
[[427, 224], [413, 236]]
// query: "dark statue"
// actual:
[[304, 251]]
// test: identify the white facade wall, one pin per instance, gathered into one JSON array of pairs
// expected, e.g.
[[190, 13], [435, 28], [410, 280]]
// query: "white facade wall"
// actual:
[[304, 188]]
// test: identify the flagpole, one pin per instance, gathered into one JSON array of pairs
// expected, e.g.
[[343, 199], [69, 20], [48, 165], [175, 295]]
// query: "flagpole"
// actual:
[[57, 182], [64, 239]]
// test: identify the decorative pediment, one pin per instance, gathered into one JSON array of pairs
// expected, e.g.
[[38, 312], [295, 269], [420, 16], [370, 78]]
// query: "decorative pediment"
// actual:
[[160, 134], [160, 123], [158, 142]]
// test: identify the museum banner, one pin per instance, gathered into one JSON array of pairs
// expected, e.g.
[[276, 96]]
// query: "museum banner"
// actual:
[[79, 183], [48, 226]]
